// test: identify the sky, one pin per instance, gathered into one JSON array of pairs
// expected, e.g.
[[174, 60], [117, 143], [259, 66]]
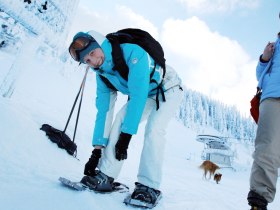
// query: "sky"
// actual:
[[30, 164], [213, 44]]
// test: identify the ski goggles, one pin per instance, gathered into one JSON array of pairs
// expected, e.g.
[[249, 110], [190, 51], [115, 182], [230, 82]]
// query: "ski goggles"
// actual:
[[80, 44]]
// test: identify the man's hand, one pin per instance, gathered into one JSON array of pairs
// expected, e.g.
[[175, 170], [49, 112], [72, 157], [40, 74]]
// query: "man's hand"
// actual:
[[122, 146], [268, 52], [92, 162]]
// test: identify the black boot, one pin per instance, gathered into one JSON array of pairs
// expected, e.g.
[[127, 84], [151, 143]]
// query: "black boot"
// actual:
[[145, 194], [256, 201], [99, 182]]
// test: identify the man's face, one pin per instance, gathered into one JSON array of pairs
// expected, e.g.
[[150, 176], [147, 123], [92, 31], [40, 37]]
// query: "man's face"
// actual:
[[95, 58]]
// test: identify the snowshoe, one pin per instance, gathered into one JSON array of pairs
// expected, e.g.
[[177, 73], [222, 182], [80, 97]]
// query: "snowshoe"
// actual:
[[143, 196], [73, 185], [79, 186], [99, 182]]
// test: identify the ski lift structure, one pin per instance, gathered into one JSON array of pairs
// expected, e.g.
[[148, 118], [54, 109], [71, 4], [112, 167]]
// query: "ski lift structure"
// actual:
[[216, 149]]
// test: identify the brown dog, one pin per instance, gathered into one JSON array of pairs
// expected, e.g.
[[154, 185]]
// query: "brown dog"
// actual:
[[210, 167], [217, 177]]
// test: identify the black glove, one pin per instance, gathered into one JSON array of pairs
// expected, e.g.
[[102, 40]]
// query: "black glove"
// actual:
[[122, 145], [92, 162]]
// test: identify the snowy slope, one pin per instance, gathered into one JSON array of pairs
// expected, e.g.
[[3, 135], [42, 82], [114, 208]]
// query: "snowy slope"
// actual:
[[30, 164]]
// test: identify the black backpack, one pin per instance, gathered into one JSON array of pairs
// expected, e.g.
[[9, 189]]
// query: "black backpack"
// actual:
[[144, 40], [134, 36]]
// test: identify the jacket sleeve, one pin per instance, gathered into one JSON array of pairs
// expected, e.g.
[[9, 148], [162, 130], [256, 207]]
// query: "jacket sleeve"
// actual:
[[260, 68], [105, 103], [138, 86]]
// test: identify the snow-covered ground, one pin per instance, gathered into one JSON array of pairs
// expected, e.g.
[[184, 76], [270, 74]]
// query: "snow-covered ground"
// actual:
[[30, 164]]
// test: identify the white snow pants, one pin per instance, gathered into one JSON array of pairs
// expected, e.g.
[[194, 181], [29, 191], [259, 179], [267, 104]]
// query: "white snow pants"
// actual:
[[150, 168]]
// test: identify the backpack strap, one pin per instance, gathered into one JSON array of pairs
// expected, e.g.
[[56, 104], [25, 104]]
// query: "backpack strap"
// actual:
[[117, 55], [158, 88], [159, 91], [107, 83], [153, 71]]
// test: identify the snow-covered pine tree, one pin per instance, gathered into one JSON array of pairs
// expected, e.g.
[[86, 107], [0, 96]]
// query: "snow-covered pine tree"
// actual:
[[28, 24], [198, 111]]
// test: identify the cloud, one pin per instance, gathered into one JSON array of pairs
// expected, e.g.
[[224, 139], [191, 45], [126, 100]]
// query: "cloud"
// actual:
[[222, 6], [134, 20], [109, 21], [209, 62]]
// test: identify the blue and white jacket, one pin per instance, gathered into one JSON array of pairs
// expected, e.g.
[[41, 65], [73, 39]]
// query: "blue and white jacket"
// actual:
[[138, 88], [268, 75]]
